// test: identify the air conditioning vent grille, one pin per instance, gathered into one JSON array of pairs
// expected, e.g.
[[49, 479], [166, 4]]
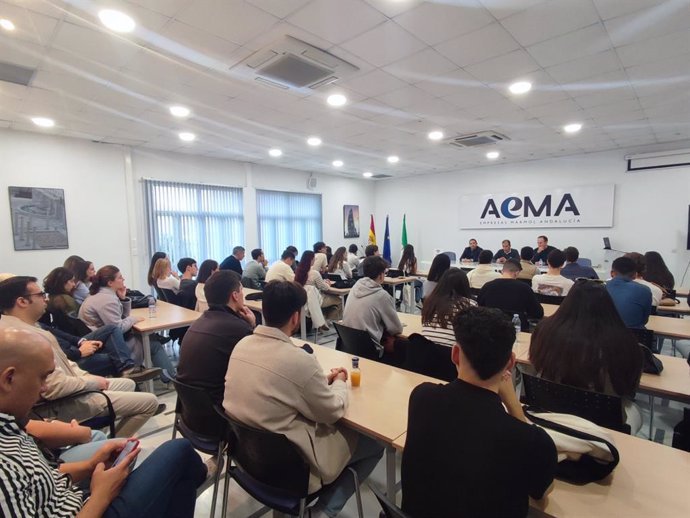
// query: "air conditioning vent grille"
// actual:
[[480, 138], [16, 74], [294, 71], [382, 176]]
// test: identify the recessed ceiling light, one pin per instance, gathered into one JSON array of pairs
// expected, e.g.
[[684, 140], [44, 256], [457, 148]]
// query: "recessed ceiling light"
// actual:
[[6, 24], [520, 87], [275, 152], [336, 100], [435, 135], [393, 159], [314, 141], [572, 128], [493, 155], [367, 174], [187, 136], [116, 20], [180, 111], [338, 163], [43, 122]]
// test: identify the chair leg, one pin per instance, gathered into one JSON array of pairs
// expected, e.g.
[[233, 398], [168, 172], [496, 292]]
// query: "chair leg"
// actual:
[[651, 418], [302, 508], [219, 458], [226, 487], [673, 346], [358, 494]]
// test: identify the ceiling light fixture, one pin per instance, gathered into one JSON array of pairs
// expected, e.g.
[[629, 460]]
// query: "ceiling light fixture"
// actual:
[[393, 159], [116, 20], [336, 100], [186, 136], [338, 163], [367, 174], [435, 135], [6, 24], [314, 141], [275, 152], [520, 87], [493, 155], [43, 122], [572, 128], [180, 111]]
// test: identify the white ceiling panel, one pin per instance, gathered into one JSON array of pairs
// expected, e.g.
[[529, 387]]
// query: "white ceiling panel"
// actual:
[[384, 44], [29, 26], [26, 54], [504, 8], [649, 51], [114, 52], [613, 8], [671, 16], [421, 66], [279, 8], [514, 66], [375, 83], [577, 44], [488, 42], [588, 66], [395, 8]]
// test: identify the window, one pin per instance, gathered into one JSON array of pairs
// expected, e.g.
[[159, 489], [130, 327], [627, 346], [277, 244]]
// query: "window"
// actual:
[[287, 218], [191, 220]]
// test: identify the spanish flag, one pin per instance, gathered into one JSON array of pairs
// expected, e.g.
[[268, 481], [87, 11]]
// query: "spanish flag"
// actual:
[[372, 232]]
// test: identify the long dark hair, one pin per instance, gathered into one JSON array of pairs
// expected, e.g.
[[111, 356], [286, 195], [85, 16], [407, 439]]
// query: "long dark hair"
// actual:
[[339, 257], [149, 277], [438, 267], [71, 262], [451, 294], [408, 262], [302, 271], [656, 271], [80, 269], [586, 342], [54, 283], [103, 276], [205, 270]]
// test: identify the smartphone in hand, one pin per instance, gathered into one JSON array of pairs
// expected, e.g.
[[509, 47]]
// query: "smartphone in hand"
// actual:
[[129, 448]]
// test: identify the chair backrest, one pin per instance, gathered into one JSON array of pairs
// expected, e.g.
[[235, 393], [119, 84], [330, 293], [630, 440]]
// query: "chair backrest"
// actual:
[[645, 337], [526, 281], [160, 294], [248, 282], [599, 408], [429, 358], [475, 292], [549, 299], [269, 458], [451, 255], [171, 297], [583, 261], [356, 341], [389, 508], [69, 324], [195, 408]]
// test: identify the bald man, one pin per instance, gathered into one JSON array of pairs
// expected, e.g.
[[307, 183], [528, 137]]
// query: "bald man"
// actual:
[[164, 485]]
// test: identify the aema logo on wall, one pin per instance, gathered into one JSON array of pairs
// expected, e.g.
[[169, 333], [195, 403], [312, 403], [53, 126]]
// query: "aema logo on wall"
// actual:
[[582, 206]]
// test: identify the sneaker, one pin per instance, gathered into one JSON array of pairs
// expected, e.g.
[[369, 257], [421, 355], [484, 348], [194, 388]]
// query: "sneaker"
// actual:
[[161, 408], [140, 374], [165, 376]]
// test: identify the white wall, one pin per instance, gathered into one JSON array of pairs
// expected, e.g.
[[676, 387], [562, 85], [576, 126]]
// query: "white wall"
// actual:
[[650, 208]]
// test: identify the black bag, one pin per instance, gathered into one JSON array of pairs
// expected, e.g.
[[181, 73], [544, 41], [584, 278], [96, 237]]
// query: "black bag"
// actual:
[[681, 432], [139, 300], [650, 363]]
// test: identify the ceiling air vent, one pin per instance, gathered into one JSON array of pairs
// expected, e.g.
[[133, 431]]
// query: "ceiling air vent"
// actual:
[[382, 176], [478, 139], [16, 74], [293, 64]]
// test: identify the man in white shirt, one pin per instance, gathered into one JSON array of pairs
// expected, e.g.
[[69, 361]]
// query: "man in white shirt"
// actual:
[[657, 293], [352, 259], [484, 272], [552, 282], [320, 257], [282, 270]]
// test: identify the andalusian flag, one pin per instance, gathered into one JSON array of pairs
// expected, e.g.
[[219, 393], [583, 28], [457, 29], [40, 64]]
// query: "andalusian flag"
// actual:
[[404, 232], [372, 232], [387, 244]]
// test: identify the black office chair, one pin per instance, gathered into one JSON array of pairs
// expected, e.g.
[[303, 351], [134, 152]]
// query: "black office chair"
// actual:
[[65, 322], [645, 337], [429, 358], [549, 299], [271, 469], [197, 421], [475, 292], [390, 510], [602, 409], [41, 410], [356, 342]]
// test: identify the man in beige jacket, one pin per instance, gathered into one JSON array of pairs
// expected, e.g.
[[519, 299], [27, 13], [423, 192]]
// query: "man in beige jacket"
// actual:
[[273, 384], [22, 304]]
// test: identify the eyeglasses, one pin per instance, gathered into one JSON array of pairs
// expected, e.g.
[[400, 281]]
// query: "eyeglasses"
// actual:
[[41, 294]]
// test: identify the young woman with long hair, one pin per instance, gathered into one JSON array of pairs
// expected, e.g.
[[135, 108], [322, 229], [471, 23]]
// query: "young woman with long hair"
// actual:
[[207, 268], [305, 275], [408, 265], [59, 285], [657, 272], [150, 279], [165, 277], [83, 271], [438, 267], [339, 265], [452, 294]]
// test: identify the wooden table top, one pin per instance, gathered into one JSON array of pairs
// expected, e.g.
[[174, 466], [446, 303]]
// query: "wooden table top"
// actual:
[[682, 308], [168, 316], [650, 480], [394, 281]]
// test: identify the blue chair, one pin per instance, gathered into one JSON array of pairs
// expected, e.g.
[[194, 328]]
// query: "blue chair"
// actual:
[[451, 255], [94, 422], [583, 261]]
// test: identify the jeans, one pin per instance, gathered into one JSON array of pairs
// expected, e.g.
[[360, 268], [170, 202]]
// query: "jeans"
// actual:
[[85, 451], [364, 459], [163, 486], [113, 358]]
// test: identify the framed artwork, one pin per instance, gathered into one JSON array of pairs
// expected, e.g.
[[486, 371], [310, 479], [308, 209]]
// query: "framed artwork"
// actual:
[[350, 221], [38, 218]]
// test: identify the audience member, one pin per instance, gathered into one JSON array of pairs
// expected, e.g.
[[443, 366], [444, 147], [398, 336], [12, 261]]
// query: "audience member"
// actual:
[[506, 252], [282, 270], [656, 271], [370, 251], [255, 270], [339, 264], [408, 265], [320, 257], [164, 276], [541, 253], [632, 300], [471, 253], [511, 296], [59, 286], [329, 254], [552, 282], [186, 296], [529, 270], [233, 262], [82, 271], [469, 450], [307, 275], [657, 292], [22, 303], [295, 253], [572, 269], [438, 267], [484, 272], [210, 340], [275, 385], [352, 259], [452, 295], [207, 268], [150, 279]]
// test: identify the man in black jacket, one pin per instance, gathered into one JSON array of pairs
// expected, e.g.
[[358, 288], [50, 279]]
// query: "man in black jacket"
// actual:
[[233, 262]]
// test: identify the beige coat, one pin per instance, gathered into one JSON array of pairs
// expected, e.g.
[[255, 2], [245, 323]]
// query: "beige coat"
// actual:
[[271, 384]]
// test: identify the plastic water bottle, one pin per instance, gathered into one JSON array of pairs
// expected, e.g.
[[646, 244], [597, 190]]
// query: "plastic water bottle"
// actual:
[[517, 325], [152, 307]]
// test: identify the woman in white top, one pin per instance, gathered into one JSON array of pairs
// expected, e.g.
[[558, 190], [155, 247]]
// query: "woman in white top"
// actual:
[[307, 275], [207, 268], [165, 278], [338, 264], [452, 294]]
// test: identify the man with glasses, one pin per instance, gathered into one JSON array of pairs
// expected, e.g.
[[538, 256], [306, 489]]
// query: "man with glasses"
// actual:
[[22, 304]]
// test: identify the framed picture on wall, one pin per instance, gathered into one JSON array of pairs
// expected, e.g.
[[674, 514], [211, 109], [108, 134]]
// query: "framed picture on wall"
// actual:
[[350, 221], [38, 218]]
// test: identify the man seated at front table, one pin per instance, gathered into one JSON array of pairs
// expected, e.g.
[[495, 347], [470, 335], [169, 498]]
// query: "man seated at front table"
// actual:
[[471, 253], [506, 252], [465, 454], [282, 270], [273, 384], [233, 262], [255, 271], [164, 485], [210, 340], [572, 270], [484, 272], [511, 296], [552, 282], [370, 308], [632, 300], [541, 253]]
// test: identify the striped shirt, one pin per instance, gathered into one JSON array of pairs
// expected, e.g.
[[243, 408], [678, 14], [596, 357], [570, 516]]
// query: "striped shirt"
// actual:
[[435, 332], [29, 487]]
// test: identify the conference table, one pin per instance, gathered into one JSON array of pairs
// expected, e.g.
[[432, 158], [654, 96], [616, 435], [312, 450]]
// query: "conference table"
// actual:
[[681, 309]]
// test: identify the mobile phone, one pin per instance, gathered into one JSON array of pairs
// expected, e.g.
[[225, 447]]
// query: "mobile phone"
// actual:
[[129, 448]]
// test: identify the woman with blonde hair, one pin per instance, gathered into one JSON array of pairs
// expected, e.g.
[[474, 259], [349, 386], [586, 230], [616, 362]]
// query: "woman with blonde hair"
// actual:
[[165, 277]]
